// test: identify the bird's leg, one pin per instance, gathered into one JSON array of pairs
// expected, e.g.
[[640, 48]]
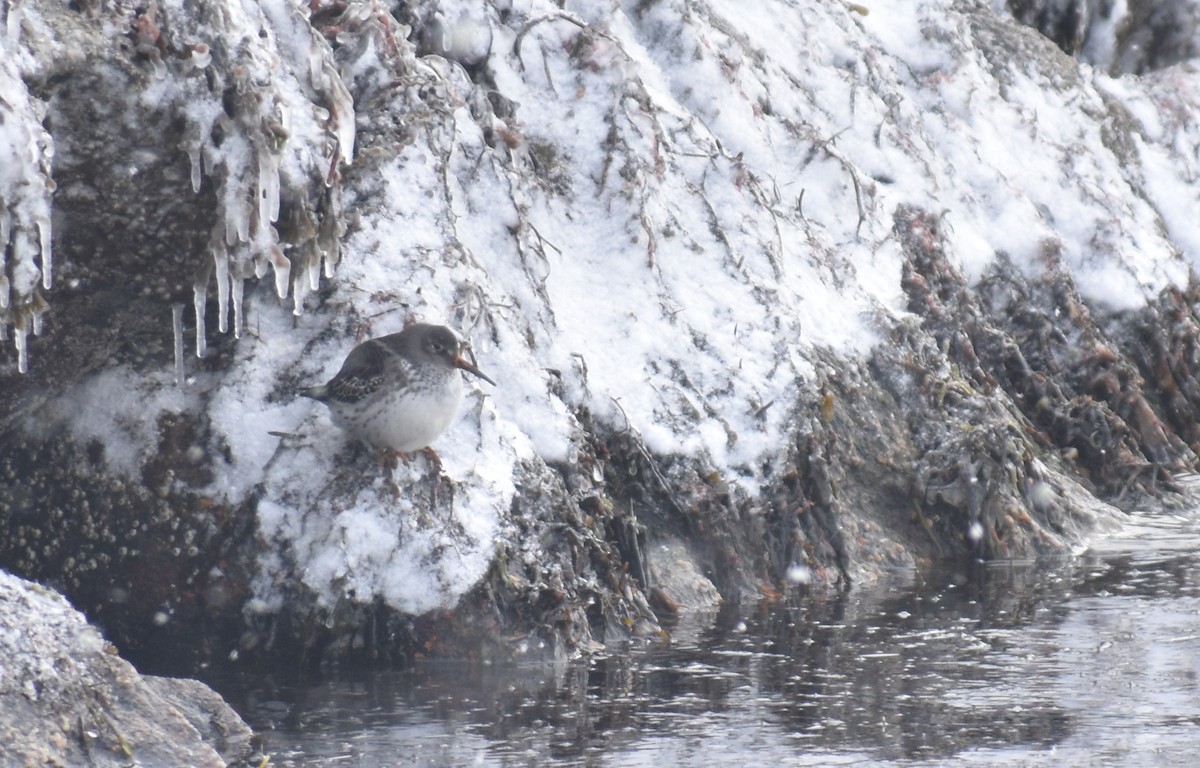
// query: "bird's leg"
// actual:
[[437, 471], [391, 460]]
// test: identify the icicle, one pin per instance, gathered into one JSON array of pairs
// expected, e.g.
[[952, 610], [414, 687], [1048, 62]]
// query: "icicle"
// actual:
[[199, 296], [236, 285], [231, 226], [226, 214], [209, 162], [19, 334], [342, 114], [285, 117], [313, 268], [243, 222], [47, 254], [242, 211], [235, 210], [194, 155], [299, 291], [15, 12], [268, 187], [4, 286], [221, 262], [283, 271], [177, 326], [37, 308], [24, 264], [316, 63], [327, 241]]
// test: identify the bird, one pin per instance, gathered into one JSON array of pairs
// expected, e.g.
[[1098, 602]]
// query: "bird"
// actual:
[[399, 392]]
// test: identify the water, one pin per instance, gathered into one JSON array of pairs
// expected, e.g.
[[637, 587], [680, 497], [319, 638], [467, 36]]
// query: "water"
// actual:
[[1093, 660]]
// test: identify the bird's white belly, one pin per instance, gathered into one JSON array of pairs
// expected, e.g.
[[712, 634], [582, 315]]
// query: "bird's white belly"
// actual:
[[406, 421]]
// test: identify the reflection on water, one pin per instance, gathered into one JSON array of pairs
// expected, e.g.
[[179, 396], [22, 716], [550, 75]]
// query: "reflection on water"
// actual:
[[1089, 661]]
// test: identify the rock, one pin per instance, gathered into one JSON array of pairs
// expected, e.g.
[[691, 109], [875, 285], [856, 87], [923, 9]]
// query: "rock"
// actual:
[[679, 584], [1137, 36], [800, 302], [67, 699]]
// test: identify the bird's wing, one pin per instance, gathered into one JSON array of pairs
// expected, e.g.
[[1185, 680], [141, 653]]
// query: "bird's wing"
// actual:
[[364, 372]]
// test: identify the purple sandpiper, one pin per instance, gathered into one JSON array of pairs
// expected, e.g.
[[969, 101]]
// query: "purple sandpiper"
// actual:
[[399, 392]]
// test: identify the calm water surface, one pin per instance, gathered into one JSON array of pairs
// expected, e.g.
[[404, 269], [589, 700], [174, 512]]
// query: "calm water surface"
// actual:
[[1093, 660]]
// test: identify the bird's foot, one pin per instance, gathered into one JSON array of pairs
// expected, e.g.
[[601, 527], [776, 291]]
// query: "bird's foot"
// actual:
[[434, 458], [390, 459], [436, 461]]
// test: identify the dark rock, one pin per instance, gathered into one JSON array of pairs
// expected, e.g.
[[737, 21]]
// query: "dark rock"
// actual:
[[1135, 37]]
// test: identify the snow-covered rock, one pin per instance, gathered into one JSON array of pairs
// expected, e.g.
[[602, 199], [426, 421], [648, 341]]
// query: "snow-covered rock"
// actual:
[[768, 288]]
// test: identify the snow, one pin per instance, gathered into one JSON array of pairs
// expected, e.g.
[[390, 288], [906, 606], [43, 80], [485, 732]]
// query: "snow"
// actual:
[[691, 201], [98, 410], [45, 642]]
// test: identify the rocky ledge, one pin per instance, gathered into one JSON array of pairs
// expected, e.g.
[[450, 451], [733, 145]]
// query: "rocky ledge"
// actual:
[[775, 301], [67, 699]]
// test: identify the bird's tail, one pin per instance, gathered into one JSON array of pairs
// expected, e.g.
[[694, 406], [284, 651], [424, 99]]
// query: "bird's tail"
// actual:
[[319, 392]]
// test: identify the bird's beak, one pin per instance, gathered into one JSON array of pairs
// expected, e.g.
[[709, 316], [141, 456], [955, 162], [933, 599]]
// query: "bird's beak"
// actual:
[[469, 367]]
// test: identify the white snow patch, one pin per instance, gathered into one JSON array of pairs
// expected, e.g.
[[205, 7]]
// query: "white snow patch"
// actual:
[[98, 409]]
